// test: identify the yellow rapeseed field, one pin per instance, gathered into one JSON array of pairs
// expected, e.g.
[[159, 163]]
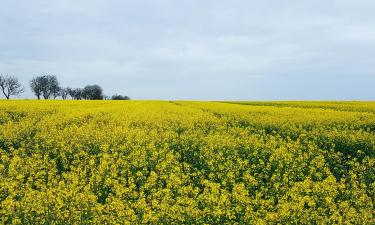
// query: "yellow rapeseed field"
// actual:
[[180, 162]]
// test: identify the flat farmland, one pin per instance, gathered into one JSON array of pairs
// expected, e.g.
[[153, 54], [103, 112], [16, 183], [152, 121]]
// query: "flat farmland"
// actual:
[[186, 162]]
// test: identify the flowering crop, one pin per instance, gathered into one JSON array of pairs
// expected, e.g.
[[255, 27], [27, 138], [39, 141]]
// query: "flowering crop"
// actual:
[[159, 162]]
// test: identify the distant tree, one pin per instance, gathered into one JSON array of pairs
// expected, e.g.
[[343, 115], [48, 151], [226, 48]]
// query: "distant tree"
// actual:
[[93, 92], [75, 93], [46, 86], [51, 86], [71, 92], [10, 86], [36, 86], [56, 91], [64, 93], [120, 97], [79, 93]]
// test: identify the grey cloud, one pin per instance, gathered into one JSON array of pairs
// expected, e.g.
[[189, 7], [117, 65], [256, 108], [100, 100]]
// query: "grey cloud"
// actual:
[[195, 49]]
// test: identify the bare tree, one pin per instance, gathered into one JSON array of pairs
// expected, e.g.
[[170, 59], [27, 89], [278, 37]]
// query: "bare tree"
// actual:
[[46, 86], [50, 86], [64, 93], [75, 93], [36, 86], [56, 91], [10, 86]]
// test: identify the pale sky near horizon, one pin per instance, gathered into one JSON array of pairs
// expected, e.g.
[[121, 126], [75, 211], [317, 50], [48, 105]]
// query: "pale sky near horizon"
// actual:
[[207, 49]]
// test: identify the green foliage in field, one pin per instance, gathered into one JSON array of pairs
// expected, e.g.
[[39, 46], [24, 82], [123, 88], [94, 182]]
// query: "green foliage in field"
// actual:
[[154, 162]]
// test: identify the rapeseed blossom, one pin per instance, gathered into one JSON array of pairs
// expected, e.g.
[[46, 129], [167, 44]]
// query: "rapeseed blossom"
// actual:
[[156, 162]]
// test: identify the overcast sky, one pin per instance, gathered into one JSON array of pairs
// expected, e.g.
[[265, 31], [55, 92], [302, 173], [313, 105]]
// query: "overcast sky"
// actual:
[[187, 49]]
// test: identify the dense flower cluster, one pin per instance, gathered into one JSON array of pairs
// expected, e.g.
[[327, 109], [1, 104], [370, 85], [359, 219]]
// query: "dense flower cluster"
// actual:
[[155, 162]]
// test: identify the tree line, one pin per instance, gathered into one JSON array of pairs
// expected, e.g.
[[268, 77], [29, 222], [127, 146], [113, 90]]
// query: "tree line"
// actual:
[[47, 86]]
